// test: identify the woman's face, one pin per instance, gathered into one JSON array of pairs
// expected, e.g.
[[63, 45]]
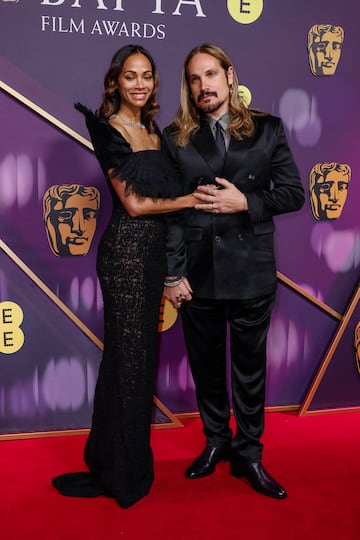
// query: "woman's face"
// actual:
[[136, 81]]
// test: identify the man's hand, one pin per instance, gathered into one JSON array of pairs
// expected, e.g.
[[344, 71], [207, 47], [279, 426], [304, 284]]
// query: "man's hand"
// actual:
[[228, 200], [177, 295]]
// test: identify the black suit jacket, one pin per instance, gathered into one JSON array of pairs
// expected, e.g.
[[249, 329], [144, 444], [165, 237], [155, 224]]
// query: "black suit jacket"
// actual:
[[231, 256]]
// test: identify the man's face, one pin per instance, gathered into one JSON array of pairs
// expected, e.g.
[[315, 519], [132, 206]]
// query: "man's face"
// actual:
[[74, 222], [331, 192], [327, 54], [209, 84]]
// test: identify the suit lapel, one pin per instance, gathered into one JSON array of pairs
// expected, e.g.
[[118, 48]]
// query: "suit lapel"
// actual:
[[233, 161], [204, 143]]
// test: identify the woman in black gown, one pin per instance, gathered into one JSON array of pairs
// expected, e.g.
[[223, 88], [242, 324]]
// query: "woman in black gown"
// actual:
[[131, 269]]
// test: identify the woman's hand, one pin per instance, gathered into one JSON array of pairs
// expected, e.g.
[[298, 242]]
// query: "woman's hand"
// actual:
[[179, 294], [228, 200]]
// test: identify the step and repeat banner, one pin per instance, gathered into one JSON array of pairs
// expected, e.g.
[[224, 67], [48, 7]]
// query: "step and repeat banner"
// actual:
[[297, 60]]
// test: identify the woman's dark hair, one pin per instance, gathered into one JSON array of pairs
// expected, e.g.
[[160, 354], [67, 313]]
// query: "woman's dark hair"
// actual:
[[111, 97]]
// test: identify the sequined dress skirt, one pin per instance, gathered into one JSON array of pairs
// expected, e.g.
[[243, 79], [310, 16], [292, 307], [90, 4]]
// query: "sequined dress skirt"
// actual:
[[131, 268]]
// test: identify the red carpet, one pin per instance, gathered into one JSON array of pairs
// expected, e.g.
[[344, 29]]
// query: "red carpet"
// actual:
[[316, 458]]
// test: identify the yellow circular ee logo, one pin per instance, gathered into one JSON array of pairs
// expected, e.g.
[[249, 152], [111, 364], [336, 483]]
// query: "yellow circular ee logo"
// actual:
[[245, 94], [11, 335], [245, 11]]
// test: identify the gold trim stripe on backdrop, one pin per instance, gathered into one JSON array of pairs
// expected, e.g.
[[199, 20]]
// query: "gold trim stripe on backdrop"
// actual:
[[309, 296], [329, 354], [44, 114], [286, 409], [53, 120], [51, 295]]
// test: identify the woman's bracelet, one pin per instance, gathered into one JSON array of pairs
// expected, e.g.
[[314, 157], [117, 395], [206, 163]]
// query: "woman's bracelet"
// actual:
[[173, 281]]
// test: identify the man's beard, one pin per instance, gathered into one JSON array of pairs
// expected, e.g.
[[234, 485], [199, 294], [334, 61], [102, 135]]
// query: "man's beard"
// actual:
[[210, 108], [214, 107]]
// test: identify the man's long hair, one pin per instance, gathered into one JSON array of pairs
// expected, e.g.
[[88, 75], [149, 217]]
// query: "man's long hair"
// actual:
[[188, 118]]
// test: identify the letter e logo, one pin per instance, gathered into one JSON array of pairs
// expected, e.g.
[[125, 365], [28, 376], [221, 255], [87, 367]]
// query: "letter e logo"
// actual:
[[245, 11], [11, 335]]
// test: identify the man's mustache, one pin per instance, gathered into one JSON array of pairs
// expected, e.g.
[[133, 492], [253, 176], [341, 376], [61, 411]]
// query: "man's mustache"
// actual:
[[206, 93]]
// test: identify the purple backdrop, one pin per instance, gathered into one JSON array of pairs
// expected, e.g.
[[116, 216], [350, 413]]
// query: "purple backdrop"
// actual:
[[60, 54]]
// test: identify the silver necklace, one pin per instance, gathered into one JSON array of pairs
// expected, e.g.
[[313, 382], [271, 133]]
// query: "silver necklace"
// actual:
[[129, 122]]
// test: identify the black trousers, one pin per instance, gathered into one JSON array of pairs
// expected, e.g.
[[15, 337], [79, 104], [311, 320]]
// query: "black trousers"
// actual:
[[205, 329]]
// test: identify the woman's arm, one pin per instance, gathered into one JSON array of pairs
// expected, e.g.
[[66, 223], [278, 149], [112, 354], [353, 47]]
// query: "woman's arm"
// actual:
[[140, 206]]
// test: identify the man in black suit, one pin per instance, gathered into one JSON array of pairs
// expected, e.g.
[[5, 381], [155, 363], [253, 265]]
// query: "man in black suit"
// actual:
[[221, 265]]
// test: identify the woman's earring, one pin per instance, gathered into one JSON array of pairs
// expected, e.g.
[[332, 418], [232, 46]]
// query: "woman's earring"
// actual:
[[231, 90]]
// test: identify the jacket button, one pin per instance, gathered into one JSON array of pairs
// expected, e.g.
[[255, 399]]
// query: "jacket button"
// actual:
[[217, 238], [239, 237]]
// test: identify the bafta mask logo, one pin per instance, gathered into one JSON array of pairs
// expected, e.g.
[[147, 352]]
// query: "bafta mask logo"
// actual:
[[324, 48], [328, 190], [70, 217], [357, 346]]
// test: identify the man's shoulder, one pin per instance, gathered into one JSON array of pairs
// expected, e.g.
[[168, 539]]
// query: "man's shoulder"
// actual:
[[261, 117], [171, 129], [265, 123]]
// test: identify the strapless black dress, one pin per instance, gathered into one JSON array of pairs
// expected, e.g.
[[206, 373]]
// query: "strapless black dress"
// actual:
[[131, 267]]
